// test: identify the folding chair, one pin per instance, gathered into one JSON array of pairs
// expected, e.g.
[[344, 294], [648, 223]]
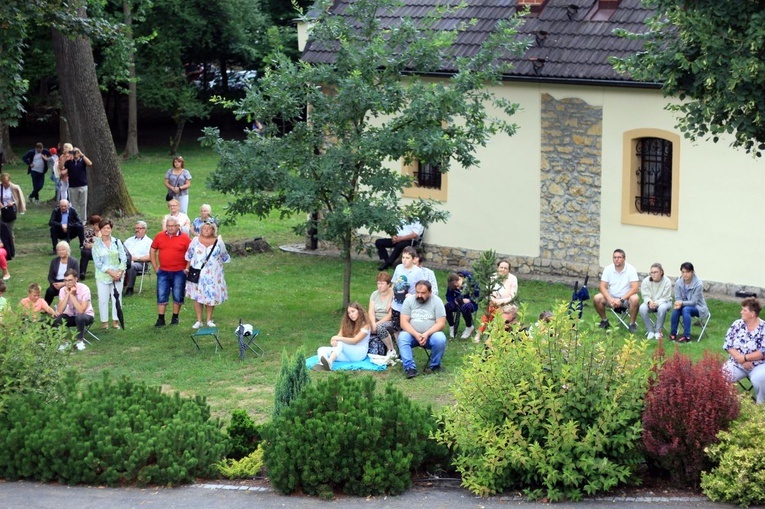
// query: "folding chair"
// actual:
[[619, 314], [145, 269], [90, 333], [247, 338], [702, 322], [206, 331]]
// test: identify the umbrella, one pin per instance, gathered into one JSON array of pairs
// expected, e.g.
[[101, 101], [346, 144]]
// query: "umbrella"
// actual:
[[578, 297], [118, 305]]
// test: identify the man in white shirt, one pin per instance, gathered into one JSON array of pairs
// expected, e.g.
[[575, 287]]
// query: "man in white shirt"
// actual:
[[139, 246], [619, 286], [406, 235]]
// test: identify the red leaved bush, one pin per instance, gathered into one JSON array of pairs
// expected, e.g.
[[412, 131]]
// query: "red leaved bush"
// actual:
[[686, 406]]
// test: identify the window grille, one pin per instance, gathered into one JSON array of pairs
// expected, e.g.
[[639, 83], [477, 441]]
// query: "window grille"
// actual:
[[654, 174], [428, 176]]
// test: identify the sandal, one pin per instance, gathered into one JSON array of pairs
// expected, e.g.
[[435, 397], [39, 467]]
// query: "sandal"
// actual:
[[116, 325], [105, 326]]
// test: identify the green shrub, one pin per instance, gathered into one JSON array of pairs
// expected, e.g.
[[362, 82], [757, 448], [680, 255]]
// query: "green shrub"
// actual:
[[30, 361], [245, 468], [243, 435], [340, 434], [554, 412], [739, 477], [685, 408], [109, 433], [293, 377]]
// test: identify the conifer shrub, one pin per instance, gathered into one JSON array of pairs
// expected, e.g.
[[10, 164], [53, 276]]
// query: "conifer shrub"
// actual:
[[30, 361], [342, 435], [293, 377], [244, 468], [554, 411], [739, 475], [687, 405], [243, 435], [110, 432]]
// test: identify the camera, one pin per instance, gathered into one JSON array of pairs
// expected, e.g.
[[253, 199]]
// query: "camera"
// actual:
[[72, 152]]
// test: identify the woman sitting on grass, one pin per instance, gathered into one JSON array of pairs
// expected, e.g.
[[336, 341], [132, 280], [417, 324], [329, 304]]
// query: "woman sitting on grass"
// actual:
[[352, 341]]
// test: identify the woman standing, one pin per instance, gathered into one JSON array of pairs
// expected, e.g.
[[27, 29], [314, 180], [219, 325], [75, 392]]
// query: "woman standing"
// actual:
[[184, 223], [111, 261], [352, 341], [86, 253], [745, 344], [11, 200], [178, 182], [205, 215], [381, 317], [208, 253]]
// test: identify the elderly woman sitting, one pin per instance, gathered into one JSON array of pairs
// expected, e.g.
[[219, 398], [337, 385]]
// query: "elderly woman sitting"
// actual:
[[745, 344], [58, 267]]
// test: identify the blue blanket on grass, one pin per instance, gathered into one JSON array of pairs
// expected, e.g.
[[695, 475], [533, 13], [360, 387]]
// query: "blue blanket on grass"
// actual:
[[366, 364]]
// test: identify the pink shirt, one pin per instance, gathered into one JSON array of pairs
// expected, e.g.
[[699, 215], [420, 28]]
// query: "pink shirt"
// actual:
[[83, 294], [37, 307]]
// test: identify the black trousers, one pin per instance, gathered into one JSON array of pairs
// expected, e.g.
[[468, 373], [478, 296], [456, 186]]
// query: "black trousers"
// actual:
[[57, 233], [383, 245]]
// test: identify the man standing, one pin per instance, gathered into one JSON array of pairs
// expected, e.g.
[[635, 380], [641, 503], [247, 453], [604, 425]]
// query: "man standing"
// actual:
[[422, 323], [619, 287], [168, 258], [406, 235], [139, 246], [74, 306], [65, 224], [78, 180], [37, 162]]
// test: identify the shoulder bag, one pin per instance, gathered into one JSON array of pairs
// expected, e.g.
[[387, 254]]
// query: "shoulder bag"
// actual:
[[193, 275]]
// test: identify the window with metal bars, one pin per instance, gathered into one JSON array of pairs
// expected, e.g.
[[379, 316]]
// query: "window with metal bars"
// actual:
[[428, 176], [654, 174]]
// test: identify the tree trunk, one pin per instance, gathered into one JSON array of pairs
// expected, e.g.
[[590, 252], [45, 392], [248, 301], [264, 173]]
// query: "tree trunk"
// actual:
[[180, 123], [64, 133], [131, 145], [346, 256], [5, 144], [84, 108]]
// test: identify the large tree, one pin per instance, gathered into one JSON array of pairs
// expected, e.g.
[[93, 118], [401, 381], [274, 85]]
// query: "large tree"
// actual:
[[84, 111], [366, 110], [711, 55]]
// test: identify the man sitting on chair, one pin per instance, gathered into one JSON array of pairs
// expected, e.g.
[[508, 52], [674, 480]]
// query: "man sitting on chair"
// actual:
[[422, 321], [139, 246], [65, 224], [406, 235], [74, 306], [619, 286]]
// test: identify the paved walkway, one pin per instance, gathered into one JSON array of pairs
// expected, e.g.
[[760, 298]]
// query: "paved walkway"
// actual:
[[23, 495]]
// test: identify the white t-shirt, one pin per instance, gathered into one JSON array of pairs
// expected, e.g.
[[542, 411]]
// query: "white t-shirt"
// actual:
[[619, 282]]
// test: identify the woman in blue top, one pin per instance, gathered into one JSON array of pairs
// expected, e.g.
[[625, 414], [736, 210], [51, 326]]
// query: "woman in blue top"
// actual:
[[111, 261], [689, 302]]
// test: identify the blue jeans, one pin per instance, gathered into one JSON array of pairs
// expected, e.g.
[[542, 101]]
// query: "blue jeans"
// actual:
[[436, 343], [167, 280], [687, 312]]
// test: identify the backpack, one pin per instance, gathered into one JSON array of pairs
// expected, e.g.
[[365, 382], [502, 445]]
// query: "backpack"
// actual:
[[129, 262]]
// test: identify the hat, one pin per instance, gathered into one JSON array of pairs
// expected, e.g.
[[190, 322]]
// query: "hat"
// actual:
[[53, 151]]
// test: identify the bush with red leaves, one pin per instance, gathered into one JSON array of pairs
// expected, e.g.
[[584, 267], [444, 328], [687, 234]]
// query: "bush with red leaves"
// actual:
[[686, 406]]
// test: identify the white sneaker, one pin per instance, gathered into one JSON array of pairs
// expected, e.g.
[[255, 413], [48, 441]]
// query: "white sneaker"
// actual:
[[467, 332], [196, 325], [651, 335], [211, 324], [452, 331], [80, 345]]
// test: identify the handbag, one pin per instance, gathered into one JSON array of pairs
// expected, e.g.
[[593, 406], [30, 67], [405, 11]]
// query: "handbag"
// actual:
[[169, 196], [129, 261], [193, 274], [8, 214]]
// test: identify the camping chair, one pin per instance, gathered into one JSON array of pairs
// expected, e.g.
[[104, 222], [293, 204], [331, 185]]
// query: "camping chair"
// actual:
[[206, 331], [145, 268], [90, 333], [247, 337], [702, 322], [619, 313]]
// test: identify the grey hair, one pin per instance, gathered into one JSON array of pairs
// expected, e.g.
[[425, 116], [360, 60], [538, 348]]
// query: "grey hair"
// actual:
[[142, 224], [65, 244]]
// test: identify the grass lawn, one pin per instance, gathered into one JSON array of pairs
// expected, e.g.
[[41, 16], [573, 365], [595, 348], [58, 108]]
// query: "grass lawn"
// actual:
[[293, 299]]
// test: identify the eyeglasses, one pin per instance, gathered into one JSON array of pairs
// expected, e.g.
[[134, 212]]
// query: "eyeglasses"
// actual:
[[139, 228], [70, 280]]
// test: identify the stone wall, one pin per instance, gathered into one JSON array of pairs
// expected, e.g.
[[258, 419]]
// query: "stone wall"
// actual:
[[570, 181]]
